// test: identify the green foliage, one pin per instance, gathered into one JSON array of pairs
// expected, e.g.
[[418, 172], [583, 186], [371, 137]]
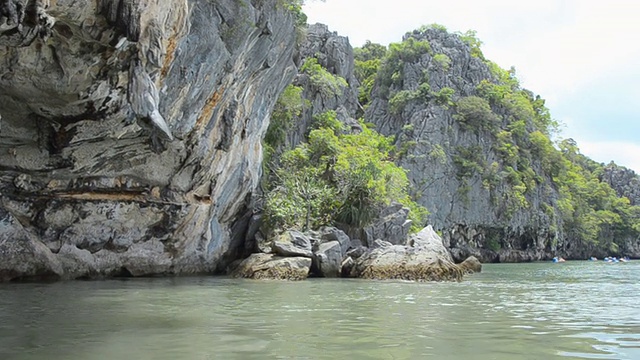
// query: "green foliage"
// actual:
[[369, 51], [491, 177], [493, 244], [437, 154], [468, 161], [405, 147], [400, 99], [474, 113], [336, 177], [367, 63], [444, 96], [328, 120], [443, 61], [391, 69], [295, 8], [289, 106], [433, 26], [325, 82], [591, 210], [470, 38]]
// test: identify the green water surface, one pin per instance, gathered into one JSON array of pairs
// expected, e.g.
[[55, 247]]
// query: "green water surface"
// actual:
[[568, 310]]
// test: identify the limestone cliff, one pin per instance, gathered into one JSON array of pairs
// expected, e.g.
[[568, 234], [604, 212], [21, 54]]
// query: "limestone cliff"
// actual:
[[130, 131], [624, 181], [335, 54], [456, 169]]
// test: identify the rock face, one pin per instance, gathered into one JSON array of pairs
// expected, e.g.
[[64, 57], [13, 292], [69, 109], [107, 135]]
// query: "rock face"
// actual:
[[468, 210], [335, 54], [392, 225], [624, 181], [423, 258], [130, 131]]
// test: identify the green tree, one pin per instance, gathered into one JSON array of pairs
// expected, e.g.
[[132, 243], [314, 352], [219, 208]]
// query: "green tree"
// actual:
[[325, 82], [337, 177]]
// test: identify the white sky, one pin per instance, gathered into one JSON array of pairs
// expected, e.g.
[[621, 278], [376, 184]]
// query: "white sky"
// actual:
[[580, 56]]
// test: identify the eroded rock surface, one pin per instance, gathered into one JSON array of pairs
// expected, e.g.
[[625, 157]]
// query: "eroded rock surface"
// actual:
[[130, 131], [470, 212], [423, 258]]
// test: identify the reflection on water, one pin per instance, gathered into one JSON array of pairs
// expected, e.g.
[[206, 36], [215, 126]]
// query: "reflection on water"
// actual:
[[510, 311]]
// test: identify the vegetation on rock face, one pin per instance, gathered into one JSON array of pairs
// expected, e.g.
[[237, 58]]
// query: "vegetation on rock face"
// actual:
[[367, 63], [518, 128], [474, 113], [289, 106], [325, 82], [592, 212], [336, 177], [342, 177]]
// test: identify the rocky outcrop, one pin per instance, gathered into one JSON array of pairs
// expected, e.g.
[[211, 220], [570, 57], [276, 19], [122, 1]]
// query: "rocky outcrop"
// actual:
[[624, 181], [271, 267], [471, 265], [335, 54], [130, 132], [328, 257], [292, 243], [424, 258], [449, 165]]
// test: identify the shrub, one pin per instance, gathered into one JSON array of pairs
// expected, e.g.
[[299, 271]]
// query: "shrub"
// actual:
[[400, 99], [345, 178], [444, 96], [289, 106], [327, 83], [443, 61], [474, 113]]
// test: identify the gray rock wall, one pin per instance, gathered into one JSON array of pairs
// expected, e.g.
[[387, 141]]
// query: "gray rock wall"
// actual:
[[335, 54], [466, 211], [624, 181], [130, 132]]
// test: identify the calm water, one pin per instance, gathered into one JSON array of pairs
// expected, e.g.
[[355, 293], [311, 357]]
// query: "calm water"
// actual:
[[521, 311]]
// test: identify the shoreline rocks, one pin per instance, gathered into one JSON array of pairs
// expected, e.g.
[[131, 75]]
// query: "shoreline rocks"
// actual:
[[269, 266]]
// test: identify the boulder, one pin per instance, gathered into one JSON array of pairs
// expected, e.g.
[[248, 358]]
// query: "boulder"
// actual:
[[292, 243], [269, 266], [21, 256], [327, 260], [428, 240], [471, 265], [424, 257], [406, 263], [333, 234]]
